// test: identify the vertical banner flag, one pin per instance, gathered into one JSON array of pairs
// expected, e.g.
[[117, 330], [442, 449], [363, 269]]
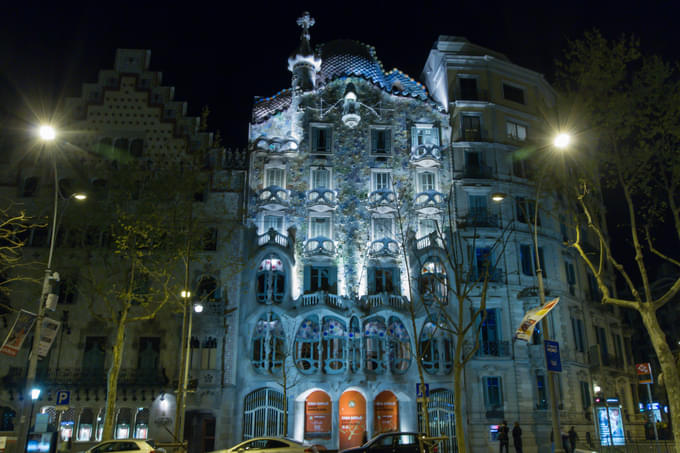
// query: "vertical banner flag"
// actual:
[[644, 373], [531, 318], [50, 327], [17, 334]]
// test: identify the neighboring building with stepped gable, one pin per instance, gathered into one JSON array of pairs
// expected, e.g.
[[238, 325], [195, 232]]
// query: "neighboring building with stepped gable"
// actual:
[[127, 113]]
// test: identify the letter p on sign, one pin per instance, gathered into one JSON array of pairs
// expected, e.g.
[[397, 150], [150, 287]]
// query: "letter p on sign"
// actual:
[[63, 398]]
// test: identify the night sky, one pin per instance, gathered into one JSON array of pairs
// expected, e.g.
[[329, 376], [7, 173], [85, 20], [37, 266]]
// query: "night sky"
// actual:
[[224, 54]]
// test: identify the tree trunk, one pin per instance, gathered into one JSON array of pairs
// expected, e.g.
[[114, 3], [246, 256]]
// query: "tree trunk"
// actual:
[[457, 406], [112, 378], [669, 368]]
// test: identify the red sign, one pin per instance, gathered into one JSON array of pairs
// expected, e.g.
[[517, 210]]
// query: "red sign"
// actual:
[[386, 412], [644, 371], [352, 419], [318, 415]]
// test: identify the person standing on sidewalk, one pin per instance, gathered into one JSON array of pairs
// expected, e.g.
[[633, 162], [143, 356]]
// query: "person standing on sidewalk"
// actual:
[[573, 437], [504, 436], [517, 438]]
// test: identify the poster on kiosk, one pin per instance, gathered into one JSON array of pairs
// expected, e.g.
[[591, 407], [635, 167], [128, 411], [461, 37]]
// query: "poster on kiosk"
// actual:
[[610, 422]]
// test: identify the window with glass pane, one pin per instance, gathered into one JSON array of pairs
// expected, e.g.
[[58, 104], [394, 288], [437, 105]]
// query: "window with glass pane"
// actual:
[[484, 261], [307, 346], [426, 180], [320, 227], [425, 136], [375, 345], [472, 129], [384, 280], [526, 259], [541, 394], [321, 140], [321, 178], [274, 177], [526, 210], [585, 394], [513, 93], [493, 393], [478, 208], [382, 181], [490, 334], [382, 228], [516, 131], [577, 329], [468, 88], [381, 141], [272, 221], [333, 345]]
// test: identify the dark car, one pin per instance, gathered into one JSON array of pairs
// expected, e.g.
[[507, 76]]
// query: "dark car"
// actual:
[[390, 443]]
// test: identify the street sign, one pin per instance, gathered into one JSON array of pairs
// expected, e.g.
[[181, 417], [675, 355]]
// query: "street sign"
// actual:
[[552, 355], [419, 390], [63, 398], [644, 372]]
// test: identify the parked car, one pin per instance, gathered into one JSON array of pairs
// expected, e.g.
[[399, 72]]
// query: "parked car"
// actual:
[[398, 442], [270, 445], [137, 445]]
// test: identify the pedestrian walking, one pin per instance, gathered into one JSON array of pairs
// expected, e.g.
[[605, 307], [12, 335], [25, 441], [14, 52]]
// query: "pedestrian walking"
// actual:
[[573, 437], [504, 436], [517, 438]]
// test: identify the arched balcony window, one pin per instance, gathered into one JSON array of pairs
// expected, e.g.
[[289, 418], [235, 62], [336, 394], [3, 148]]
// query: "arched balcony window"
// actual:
[[400, 346], [271, 280], [268, 344], [433, 285], [307, 346], [207, 288], [354, 345], [436, 346], [334, 344], [374, 345]]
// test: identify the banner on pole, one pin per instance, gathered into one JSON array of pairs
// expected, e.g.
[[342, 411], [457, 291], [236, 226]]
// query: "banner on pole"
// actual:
[[18, 333], [531, 318], [50, 327], [644, 373]]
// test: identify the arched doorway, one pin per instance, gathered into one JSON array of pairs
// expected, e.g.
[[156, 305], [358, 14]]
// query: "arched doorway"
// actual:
[[441, 416], [352, 411], [318, 415], [263, 413], [385, 412]]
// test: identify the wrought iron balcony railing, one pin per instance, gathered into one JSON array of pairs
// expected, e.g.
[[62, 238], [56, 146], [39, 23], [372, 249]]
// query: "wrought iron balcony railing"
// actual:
[[494, 349], [478, 172], [373, 302], [322, 298]]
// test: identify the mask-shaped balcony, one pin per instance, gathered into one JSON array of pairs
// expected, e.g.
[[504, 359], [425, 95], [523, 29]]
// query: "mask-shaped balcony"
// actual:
[[321, 200], [426, 155], [322, 298], [382, 201], [319, 246], [385, 247], [273, 198], [429, 202], [276, 145]]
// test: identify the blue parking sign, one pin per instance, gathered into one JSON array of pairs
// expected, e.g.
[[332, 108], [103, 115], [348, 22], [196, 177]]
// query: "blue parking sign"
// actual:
[[552, 355], [63, 398], [420, 391]]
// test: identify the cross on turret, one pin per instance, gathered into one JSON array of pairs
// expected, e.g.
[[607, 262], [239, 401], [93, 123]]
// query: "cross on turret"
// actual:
[[306, 22]]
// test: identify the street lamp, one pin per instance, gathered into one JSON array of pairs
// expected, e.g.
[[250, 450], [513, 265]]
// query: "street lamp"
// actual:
[[561, 142], [35, 394], [182, 386], [47, 134]]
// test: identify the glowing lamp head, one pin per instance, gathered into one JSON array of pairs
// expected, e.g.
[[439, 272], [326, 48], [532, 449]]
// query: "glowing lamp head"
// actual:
[[198, 308], [185, 294], [562, 141], [47, 133], [597, 388], [35, 393], [498, 196], [80, 196]]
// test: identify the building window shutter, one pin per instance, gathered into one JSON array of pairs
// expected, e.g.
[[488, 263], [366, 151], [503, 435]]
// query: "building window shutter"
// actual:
[[333, 280], [525, 257], [307, 278], [396, 281], [371, 280]]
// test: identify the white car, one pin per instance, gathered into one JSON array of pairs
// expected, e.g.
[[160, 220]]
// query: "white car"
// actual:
[[270, 445], [121, 445]]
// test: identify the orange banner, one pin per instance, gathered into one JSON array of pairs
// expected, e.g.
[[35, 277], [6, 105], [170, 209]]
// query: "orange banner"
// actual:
[[386, 412], [318, 415], [352, 410]]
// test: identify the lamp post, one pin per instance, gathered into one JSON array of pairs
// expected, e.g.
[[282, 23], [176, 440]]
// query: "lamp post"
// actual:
[[182, 386], [561, 142], [47, 134]]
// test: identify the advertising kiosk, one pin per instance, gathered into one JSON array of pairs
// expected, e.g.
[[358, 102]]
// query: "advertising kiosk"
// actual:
[[609, 421]]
